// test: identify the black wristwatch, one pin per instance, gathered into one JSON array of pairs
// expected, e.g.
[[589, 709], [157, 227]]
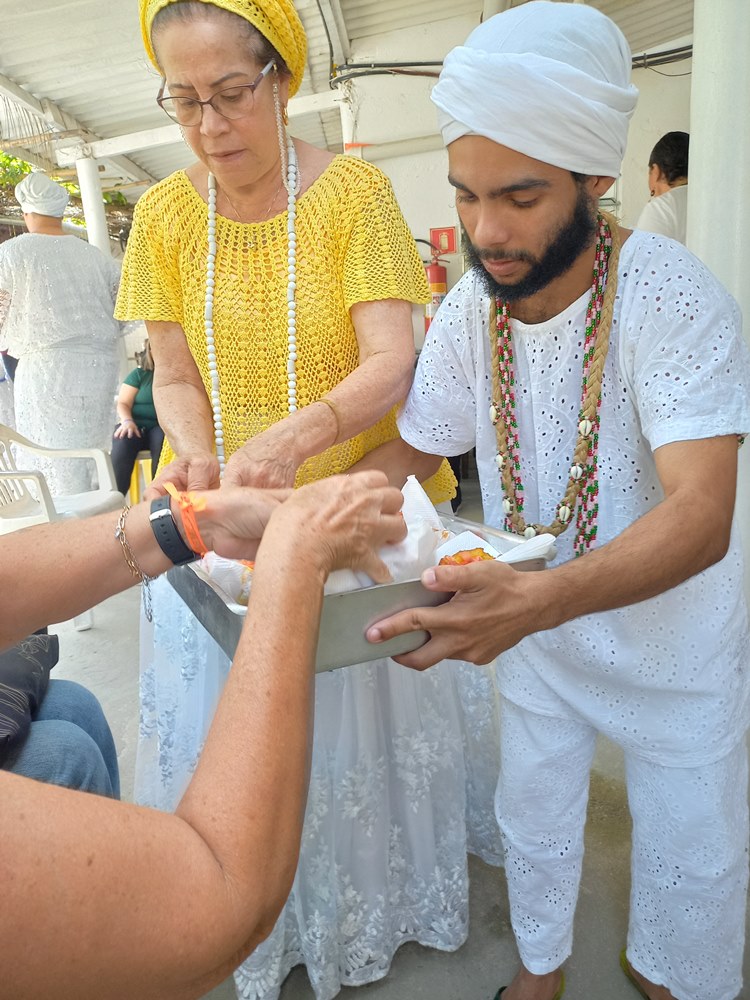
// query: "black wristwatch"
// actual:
[[166, 533]]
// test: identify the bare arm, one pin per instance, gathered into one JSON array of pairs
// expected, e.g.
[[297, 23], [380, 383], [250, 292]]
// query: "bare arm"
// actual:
[[127, 902], [494, 607], [127, 427], [398, 460], [386, 354], [71, 566], [182, 404]]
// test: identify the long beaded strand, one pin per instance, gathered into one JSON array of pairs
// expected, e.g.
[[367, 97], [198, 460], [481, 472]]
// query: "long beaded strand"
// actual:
[[583, 478], [291, 183]]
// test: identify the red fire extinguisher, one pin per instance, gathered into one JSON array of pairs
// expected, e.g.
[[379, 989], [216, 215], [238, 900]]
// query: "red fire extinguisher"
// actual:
[[437, 278]]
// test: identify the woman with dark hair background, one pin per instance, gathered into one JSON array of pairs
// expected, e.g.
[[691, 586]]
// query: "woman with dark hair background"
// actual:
[[666, 213]]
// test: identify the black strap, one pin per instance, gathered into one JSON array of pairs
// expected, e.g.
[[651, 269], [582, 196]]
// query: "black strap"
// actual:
[[166, 533]]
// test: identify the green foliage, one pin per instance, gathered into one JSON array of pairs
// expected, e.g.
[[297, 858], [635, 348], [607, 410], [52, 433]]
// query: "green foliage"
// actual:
[[12, 170], [115, 198]]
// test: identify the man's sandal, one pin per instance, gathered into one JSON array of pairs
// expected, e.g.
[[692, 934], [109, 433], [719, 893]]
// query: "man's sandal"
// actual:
[[557, 996], [625, 966]]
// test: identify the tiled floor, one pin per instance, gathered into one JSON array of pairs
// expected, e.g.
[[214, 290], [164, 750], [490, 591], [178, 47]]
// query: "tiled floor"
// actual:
[[106, 660]]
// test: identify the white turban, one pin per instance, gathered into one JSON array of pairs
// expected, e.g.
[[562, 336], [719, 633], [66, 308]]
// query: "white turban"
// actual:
[[37, 193], [549, 80]]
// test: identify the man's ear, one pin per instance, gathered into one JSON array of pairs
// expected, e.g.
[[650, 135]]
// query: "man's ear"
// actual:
[[598, 186]]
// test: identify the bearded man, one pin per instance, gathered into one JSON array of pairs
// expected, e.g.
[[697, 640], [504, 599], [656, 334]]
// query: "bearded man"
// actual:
[[602, 377]]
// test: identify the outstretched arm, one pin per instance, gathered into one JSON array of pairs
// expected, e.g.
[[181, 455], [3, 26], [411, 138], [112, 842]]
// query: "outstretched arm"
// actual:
[[52, 572], [128, 902], [183, 406]]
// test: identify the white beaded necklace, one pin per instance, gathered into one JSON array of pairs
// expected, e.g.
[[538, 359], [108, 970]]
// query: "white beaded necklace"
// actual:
[[291, 183]]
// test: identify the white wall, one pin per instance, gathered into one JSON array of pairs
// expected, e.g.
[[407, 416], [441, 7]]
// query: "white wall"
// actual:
[[394, 117], [427, 201]]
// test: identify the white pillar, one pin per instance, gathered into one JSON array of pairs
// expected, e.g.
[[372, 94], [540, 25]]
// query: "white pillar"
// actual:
[[492, 7], [93, 203], [719, 190], [347, 107]]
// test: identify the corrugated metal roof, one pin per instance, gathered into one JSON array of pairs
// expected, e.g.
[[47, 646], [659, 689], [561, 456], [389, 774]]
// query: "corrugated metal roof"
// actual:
[[86, 57], [647, 24], [373, 17]]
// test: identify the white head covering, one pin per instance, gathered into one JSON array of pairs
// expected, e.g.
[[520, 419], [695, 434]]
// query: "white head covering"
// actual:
[[550, 80], [37, 193]]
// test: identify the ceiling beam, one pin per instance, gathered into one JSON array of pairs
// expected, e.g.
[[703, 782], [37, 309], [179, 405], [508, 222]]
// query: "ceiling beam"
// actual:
[[59, 121], [168, 135], [9, 88], [335, 22], [165, 135], [32, 157]]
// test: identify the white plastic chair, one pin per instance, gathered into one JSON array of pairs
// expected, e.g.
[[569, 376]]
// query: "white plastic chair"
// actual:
[[20, 507]]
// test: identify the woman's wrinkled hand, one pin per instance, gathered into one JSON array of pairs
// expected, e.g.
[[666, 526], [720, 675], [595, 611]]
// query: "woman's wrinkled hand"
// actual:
[[234, 518], [267, 460], [341, 522], [193, 472]]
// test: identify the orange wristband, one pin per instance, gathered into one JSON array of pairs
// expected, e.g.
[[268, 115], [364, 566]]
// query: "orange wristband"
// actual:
[[189, 504]]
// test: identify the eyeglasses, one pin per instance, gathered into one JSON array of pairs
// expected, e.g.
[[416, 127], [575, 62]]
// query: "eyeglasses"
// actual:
[[236, 102]]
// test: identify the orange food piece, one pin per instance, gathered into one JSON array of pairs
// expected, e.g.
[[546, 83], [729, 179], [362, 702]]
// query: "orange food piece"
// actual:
[[464, 556]]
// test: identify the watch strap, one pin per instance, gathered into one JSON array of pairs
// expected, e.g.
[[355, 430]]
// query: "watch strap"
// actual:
[[166, 533]]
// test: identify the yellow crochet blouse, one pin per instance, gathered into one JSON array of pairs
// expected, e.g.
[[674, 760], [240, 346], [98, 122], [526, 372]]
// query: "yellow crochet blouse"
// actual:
[[352, 246]]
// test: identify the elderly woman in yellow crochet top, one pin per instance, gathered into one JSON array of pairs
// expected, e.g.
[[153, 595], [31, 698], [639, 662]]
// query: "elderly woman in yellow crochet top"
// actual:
[[313, 275], [276, 281]]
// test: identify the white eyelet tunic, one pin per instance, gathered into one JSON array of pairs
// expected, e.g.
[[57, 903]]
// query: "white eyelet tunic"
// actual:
[[667, 678]]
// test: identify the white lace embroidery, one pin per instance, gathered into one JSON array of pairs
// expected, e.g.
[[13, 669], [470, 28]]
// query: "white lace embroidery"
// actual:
[[59, 296], [403, 778], [689, 864], [666, 678]]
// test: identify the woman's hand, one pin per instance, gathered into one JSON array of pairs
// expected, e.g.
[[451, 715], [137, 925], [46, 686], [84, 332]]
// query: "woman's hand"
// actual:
[[233, 519], [127, 428], [269, 460], [334, 523], [194, 472], [339, 522]]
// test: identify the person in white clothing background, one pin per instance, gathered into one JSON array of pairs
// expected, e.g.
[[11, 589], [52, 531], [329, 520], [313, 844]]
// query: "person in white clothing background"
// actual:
[[602, 375], [666, 213], [57, 297]]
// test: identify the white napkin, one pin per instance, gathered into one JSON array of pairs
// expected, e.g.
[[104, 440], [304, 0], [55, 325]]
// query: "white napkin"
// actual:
[[228, 575], [406, 560]]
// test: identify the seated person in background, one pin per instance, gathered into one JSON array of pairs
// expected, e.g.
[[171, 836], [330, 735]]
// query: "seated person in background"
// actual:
[[53, 731], [138, 428], [167, 905], [7, 409], [666, 213], [9, 363]]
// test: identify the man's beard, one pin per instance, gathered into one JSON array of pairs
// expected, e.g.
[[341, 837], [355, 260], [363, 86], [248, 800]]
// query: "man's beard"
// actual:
[[566, 245]]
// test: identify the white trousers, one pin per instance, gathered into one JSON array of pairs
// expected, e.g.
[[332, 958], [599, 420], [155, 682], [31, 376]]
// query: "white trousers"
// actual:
[[689, 862]]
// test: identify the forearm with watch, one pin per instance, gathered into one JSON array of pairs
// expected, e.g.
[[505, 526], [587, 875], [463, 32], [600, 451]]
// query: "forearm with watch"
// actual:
[[97, 557]]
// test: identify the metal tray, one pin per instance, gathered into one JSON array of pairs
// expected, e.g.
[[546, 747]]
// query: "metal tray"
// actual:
[[345, 617]]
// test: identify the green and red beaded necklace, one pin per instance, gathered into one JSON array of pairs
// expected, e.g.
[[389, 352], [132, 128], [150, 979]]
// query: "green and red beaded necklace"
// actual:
[[583, 483]]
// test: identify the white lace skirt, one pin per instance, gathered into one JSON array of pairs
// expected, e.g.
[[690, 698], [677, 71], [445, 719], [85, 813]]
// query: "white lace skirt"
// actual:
[[65, 398], [403, 777]]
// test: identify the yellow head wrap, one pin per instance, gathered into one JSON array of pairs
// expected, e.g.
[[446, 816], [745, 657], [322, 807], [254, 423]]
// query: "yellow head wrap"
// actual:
[[276, 20]]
